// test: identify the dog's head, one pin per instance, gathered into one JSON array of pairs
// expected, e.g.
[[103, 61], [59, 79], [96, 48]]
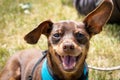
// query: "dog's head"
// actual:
[[68, 41]]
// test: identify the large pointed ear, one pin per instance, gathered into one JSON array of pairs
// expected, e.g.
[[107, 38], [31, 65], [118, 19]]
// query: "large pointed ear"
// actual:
[[95, 20], [44, 28]]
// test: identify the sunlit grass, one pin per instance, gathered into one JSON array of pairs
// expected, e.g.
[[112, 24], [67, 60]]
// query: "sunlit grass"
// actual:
[[14, 24]]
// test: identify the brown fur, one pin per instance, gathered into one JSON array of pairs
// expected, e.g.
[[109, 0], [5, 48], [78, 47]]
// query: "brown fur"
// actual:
[[65, 38]]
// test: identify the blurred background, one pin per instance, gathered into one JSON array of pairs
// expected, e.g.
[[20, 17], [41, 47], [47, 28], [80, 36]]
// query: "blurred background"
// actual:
[[18, 17]]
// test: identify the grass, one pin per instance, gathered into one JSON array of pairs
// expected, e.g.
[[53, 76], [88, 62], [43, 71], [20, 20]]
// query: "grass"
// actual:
[[14, 24]]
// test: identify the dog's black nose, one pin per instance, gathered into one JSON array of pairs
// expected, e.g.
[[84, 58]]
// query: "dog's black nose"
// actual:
[[68, 47]]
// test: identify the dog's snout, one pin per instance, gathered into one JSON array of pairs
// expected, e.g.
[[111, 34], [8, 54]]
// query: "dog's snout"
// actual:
[[68, 47]]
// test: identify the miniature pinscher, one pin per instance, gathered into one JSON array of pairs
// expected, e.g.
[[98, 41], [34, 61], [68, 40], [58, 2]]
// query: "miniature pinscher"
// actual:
[[68, 44]]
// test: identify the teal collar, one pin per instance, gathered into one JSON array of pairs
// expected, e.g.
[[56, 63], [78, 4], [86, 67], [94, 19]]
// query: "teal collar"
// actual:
[[45, 74]]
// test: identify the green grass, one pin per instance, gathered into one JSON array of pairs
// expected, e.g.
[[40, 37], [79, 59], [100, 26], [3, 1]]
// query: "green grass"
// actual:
[[14, 24]]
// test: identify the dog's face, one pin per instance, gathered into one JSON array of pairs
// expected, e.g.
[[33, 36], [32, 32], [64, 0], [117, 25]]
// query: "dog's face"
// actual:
[[68, 41]]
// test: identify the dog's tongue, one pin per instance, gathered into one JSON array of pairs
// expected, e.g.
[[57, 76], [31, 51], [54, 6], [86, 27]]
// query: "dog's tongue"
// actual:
[[68, 62]]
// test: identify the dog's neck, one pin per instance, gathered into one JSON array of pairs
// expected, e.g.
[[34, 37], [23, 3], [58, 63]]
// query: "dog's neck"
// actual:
[[57, 74]]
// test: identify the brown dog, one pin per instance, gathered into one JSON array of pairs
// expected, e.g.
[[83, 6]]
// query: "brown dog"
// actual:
[[68, 44]]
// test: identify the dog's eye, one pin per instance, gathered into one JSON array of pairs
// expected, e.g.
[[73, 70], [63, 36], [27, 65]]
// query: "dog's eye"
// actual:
[[56, 38], [56, 35], [81, 38], [79, 35]]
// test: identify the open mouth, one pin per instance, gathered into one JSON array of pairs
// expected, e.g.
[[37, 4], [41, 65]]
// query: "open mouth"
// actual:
[[68, 62]]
